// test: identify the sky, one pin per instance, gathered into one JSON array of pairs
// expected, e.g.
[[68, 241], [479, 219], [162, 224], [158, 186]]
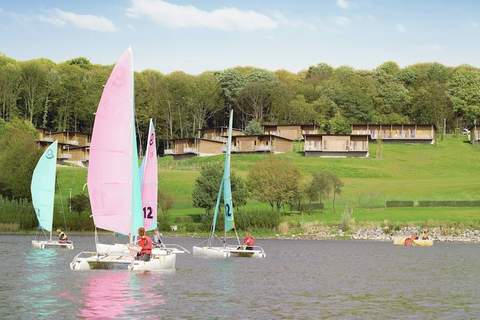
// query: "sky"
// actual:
[[200, 35]]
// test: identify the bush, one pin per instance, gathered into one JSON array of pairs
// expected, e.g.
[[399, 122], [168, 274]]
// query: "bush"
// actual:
[[165, 201], [347, 220], [399, 203], [261, 219], [80, 203], [449, 203], [17, 211], [162, 222]]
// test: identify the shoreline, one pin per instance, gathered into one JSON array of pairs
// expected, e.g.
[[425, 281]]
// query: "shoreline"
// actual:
[[437, 234]]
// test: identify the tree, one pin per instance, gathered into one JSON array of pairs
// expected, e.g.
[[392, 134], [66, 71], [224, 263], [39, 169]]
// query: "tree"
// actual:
[[274, 181], [18, 157], [319, 187], [254, 127], [165, 201], [80, 203], [207, 185], [337, 186]]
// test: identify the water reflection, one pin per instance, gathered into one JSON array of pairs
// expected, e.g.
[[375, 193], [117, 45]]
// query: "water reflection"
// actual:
[[120, 294], [40, 287]]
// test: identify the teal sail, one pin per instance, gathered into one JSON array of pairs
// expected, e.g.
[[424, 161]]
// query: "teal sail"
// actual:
[[227, 189], [43, 187]]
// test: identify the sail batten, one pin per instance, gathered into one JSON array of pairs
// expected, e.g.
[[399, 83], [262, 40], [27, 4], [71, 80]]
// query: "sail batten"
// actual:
[[43, 187]]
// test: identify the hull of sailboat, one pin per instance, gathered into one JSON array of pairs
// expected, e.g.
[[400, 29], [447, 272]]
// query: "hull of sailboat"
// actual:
[[241, 252], [44, 244], [211, 252], [161, 260], [158, 262]]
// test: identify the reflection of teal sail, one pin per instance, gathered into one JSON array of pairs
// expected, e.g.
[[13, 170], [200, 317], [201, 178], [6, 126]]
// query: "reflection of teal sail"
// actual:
[[227, 189], [137, 215], [43, 187]]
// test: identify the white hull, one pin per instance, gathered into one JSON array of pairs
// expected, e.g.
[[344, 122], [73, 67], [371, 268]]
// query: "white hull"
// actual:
[[161, 260], [44, 244], [241, 252], [164, 262], [211, 252]]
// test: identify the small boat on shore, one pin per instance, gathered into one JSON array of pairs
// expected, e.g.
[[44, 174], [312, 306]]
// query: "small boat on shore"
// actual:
[[400, 241], [43, 194]]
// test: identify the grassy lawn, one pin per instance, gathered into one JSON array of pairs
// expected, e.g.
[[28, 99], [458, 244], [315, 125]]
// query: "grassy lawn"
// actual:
[[449, 170]]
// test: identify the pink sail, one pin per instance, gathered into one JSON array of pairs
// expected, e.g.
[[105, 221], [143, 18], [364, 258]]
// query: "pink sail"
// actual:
[[110, 176], [150, 181]]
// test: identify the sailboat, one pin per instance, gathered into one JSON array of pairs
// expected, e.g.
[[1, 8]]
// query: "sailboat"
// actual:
[[225, 189], [114, 177], [43, 195]]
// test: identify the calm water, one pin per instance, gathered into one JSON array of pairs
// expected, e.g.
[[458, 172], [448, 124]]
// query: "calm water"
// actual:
[[298, 280]]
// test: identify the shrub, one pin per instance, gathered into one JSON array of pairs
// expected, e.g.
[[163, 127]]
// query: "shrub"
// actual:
[[165, 201], [347, 220], [399, 203], [80, 203]]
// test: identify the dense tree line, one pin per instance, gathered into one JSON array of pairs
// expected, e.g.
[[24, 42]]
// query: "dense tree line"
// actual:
[[64, 96]]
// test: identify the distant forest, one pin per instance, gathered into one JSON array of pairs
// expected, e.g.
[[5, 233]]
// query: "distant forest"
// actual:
[[64, 96]]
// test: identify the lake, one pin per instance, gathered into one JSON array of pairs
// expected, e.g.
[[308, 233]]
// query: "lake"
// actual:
[[298, 280]]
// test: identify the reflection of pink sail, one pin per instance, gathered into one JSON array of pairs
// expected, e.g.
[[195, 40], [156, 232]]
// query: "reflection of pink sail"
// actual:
[[110, 176], [150, 181], [106, 296]]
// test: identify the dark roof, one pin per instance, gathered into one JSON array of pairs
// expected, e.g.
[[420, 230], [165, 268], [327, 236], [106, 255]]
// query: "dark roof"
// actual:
[[288, 124], [394, 124], [220, 127], [261, 136], [336, 135], [192, 139]]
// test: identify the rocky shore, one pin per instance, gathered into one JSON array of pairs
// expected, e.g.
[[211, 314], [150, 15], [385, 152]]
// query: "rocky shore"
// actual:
[[380, 234]]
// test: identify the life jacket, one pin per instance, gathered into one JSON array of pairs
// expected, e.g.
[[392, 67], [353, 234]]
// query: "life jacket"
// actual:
[[146, 244], [249, 241]]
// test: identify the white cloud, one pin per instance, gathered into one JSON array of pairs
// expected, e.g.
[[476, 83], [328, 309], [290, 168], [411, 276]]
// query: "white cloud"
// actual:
[[342, 21], [343, 4], [188, 16], [400, 28], [59, 17]]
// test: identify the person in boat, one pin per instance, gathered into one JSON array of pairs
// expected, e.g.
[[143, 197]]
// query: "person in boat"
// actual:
[[248, 241], [62, 237], [157, 239], [145, 244], [425, 235]]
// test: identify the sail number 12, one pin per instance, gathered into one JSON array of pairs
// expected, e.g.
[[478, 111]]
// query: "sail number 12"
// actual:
[[147, 213]]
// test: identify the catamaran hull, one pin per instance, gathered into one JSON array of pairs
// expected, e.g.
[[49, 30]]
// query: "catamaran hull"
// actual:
[[44, 244], [156, 263], [211, 252], [161, 260], [247, 254]]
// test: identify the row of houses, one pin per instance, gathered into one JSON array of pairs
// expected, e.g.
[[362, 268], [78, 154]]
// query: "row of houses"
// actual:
[[73, 147], [280, 139]]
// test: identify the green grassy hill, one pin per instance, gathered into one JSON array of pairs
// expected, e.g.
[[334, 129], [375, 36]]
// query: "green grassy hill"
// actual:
[[449, 170]]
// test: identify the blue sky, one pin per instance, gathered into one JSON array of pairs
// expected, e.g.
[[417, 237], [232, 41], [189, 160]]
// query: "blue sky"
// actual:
[[200, 35]]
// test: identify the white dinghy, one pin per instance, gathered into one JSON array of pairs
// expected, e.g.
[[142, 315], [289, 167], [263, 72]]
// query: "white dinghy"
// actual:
[[226, 250], [114, 183], [43, 196]]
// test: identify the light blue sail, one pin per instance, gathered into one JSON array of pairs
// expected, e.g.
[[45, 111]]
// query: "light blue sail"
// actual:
[[43, 187], [227, 189]]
